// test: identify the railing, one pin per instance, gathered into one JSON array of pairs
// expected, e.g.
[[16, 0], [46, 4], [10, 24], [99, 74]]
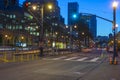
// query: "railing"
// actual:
[[3, 57], [19, 56], [27, 55]]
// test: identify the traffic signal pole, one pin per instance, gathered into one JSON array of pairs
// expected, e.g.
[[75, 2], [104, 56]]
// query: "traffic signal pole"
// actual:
[[115, 54]]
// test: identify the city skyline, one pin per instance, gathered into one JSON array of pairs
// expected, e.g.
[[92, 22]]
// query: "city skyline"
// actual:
[[102, 8]]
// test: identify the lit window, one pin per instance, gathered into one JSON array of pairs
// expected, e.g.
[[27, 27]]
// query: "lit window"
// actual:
[[13, 27], [20, 27], [11, 16], [37, 33], [14, 16], [17, 27], [1, 26]]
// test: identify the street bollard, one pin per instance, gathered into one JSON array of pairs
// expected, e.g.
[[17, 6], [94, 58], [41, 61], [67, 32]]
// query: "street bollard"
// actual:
[[115, 61], [21, 58], [36, 55], [32, 56], [110, 60], [14, 57], [5, 57], [28, 57]]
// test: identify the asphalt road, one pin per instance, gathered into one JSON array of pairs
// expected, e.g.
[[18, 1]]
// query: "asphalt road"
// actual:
[[69, 67]]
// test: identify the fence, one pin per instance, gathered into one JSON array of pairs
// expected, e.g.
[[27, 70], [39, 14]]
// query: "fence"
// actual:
[[27, 55], [19, 56]]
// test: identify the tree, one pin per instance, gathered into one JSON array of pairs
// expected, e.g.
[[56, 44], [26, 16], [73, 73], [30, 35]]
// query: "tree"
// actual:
[[83, 32], [13, 2]]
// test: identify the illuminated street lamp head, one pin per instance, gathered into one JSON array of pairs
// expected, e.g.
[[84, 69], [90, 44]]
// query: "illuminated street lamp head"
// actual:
[[115, 4], [83, 33], [50, 6], [34, 7], [22, 37], [75, 26], [6, 36], [116, 26], [66, 26], [56, 33]]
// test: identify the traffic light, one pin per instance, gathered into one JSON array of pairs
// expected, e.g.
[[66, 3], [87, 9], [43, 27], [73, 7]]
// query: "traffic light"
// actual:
[[27, 4], [75, 16]]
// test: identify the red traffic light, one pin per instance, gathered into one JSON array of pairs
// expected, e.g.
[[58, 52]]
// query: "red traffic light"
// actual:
[[27, 4]]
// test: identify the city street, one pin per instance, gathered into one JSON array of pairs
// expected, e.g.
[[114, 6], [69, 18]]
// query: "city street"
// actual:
[[76, 66], [59, 40]]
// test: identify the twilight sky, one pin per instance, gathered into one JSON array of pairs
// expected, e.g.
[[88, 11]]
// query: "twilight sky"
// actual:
[[101, 8]]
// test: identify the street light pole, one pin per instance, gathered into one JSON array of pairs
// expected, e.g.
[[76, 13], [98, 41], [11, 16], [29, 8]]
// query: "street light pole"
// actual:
[[71, 45], [114, 30], [41, 33], [41, 29]]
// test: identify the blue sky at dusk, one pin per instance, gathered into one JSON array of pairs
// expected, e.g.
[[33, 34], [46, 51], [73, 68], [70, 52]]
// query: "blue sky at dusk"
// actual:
[[101, 8]]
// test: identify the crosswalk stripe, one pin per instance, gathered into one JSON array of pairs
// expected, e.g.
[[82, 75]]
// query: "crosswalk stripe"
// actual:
[[59, 58], [70, 58], [94, 59], [82, 59], [86, 59]]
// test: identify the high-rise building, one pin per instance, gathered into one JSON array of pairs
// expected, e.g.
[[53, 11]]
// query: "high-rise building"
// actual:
[[12, 23], [8, 4], [73, 11], [21, 25], [53, 14], [52, 20], [92, 23]]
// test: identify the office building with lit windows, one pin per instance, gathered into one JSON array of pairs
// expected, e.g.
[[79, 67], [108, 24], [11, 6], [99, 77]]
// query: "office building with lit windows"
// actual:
[[21, 25], [14, 29]]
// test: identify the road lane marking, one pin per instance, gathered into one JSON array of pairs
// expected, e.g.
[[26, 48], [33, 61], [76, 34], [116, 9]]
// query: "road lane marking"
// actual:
[[79, 73], [71, 58], [94, 59], [59, 58], [82, 59]]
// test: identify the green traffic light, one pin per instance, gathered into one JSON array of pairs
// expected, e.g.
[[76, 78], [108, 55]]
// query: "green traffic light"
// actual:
[[74, 16]]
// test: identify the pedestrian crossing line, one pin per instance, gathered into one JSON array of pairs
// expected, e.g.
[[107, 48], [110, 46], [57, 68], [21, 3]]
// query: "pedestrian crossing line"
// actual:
[[71, 58], [94, 59], [74, 58], [59, 58], [82, 59]]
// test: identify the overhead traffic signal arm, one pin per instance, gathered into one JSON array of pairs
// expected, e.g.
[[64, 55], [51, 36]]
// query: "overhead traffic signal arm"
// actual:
[[105, 19], [99, 17]]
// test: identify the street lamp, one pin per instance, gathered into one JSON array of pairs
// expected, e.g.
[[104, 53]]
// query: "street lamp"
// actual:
[[34, 7], [114, 29]]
